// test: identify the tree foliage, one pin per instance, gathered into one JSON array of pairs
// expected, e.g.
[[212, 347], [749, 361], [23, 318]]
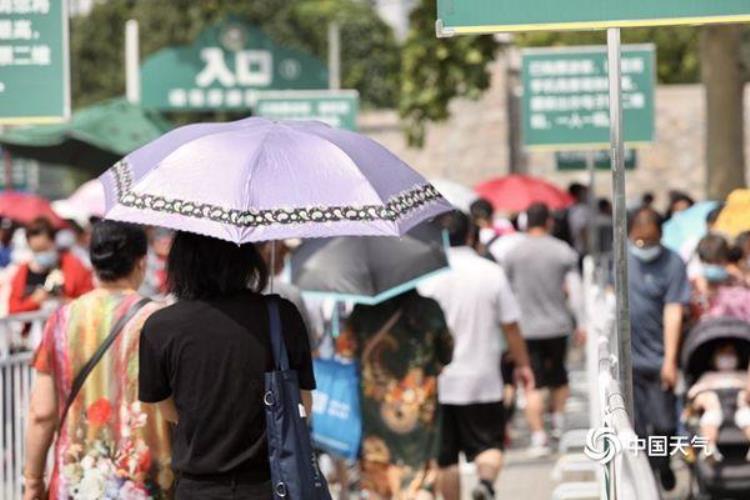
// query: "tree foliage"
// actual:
[[436, 70], [370, 58]]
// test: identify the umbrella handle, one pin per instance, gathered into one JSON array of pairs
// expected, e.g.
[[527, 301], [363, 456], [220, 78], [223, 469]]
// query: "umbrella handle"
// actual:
[[272, 274]]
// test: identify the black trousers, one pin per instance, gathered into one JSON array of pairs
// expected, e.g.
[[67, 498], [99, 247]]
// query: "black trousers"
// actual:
[[221, 489], [655, 412]]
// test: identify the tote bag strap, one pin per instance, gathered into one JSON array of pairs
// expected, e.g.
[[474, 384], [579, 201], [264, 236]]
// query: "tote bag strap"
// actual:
[[278, 346]]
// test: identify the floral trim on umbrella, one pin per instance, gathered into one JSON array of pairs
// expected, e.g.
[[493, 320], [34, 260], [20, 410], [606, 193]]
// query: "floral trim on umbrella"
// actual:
[[397, 207]]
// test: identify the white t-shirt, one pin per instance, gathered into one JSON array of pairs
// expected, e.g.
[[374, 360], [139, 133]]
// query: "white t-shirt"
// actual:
[[476, 298]]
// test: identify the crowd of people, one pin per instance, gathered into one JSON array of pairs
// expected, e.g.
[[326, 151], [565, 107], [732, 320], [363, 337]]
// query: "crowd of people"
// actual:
[[42, 265], [671, 294], [175, 407]]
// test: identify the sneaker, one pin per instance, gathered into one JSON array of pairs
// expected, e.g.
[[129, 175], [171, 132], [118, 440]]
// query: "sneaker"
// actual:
[[539, 445], [483, 491], [667, 478], [712, 454], [558, 425]]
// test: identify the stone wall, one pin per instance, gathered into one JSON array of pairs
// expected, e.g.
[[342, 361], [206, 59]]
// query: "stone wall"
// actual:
[[473, 145]]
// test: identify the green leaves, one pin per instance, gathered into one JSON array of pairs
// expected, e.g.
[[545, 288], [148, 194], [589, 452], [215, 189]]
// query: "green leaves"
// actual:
[[434, 71]]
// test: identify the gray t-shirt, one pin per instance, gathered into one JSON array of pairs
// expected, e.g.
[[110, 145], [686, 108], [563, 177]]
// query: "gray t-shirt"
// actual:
[[537, 267], [579, 216], [652, 285]]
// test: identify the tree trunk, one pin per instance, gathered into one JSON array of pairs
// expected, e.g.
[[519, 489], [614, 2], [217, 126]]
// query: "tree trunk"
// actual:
[[723, 78]]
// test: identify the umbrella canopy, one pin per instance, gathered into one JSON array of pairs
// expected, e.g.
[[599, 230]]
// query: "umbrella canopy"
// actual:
[[261, 180], [687, 226], [95, 137], [24, 208], [85, 202], [514, 193], [458, 195], [735, 216], [370, 269]]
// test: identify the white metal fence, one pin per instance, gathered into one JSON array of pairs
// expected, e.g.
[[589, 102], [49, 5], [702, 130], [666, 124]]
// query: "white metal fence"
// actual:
[[628, 476], [18, 335]]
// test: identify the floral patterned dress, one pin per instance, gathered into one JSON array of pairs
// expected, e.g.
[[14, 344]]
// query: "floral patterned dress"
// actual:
[[402, 344], [111, 446]]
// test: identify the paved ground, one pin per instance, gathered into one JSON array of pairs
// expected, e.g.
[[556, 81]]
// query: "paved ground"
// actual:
[[525, 478]]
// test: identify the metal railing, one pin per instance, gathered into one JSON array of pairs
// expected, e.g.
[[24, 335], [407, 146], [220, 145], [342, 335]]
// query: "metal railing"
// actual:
[[628, 475], [19, 334]]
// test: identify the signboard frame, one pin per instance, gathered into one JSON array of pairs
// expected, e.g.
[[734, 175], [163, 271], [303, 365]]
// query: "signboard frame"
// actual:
[[444, 30], [573, 49], [66, 99]]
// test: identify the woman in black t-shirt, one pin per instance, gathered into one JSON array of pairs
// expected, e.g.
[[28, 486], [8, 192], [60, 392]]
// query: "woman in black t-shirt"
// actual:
[[203, 361]]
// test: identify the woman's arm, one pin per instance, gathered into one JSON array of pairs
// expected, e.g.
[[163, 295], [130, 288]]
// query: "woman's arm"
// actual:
[[168, 410], [18, 302], [307, 402], [40, 432]]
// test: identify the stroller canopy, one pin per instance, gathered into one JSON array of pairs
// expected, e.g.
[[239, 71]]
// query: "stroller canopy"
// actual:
[[700, 343]]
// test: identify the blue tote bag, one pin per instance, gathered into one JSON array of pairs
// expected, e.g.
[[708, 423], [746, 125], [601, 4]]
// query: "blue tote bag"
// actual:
[[294, 466], [337, 416]]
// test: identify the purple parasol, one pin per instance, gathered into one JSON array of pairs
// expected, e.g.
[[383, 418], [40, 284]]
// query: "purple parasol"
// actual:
[[261, 180]]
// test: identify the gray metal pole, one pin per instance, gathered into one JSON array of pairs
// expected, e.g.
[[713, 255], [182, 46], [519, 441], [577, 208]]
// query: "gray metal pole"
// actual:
[[334, 56], [593, 229], [132, 62], [617, 152]]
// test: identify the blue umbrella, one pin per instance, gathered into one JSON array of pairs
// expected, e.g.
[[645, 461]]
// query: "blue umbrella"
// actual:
[[687, 226]]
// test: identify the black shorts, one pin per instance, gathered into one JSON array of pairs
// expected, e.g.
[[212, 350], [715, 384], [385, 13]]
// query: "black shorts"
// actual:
[[471, 429], [507, 366], [547, 357]]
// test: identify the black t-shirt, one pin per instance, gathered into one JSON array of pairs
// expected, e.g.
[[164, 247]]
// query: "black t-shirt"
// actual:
[[211, 357], [34, 281]]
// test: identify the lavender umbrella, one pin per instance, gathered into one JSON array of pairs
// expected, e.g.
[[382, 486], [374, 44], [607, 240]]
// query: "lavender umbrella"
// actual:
[[260, 180]]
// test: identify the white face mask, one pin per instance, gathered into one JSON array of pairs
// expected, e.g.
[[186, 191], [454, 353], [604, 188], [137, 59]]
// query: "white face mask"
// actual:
[[726, 362], [46, 260], [645, 254]]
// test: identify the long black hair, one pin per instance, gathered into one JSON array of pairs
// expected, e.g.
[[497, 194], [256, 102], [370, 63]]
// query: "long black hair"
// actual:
[[201, 267]]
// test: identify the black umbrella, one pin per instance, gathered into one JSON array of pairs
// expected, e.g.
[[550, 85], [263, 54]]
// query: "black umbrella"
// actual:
[[368, 269]]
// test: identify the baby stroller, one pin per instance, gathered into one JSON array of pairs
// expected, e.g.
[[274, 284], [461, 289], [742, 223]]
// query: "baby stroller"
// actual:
[[729, 478]]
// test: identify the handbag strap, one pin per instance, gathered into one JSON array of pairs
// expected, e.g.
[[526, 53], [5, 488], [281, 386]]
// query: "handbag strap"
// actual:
[[278, 346], [97, 356]]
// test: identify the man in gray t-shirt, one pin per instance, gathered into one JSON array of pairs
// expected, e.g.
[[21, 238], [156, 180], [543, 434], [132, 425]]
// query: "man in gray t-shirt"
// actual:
[[543, 272]]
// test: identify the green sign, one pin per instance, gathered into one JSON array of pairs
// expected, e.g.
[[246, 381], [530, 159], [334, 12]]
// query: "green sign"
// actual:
[[566, 96], [338, 108], [493, 16], [34, 71], [225, 69], [576, 160]]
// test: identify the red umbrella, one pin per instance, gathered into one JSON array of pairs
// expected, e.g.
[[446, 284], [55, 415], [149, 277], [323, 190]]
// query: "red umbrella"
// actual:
[[514, 193], [24, 208]]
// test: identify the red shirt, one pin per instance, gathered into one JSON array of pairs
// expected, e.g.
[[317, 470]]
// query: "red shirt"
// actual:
[[77, 282]]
